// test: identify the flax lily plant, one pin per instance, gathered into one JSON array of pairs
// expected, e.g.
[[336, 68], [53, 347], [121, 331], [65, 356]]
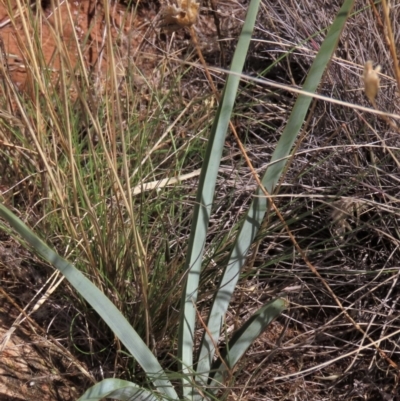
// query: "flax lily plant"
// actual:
[[203, 374]]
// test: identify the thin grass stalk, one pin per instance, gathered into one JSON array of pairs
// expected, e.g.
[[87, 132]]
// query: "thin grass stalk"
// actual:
[[141, 252], [391, 42], [32, 132], [292, 89], [80, 194]]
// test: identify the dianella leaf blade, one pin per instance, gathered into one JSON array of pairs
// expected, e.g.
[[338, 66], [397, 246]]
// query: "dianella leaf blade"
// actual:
[[100, 303], [205, 196], [243, 339], [258, 207], [117, 389]]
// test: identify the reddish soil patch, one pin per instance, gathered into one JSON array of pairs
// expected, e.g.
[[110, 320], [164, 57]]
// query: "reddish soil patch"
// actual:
[[66, 32]]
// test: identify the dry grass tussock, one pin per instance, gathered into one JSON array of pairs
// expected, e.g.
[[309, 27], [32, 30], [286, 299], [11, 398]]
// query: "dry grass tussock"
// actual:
[[340, 199]]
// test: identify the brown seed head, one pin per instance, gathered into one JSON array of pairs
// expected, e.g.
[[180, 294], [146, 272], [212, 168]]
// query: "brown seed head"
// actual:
[[185, 14], [371, 80]]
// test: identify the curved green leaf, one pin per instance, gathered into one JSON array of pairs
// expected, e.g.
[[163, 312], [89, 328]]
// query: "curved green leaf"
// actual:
[[259, 205], [100, 303], [243, 338], [118, 390], [204, 199]]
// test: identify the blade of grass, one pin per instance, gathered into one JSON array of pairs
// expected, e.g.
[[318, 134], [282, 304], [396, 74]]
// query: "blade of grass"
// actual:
[[259, 205], [100, 303]]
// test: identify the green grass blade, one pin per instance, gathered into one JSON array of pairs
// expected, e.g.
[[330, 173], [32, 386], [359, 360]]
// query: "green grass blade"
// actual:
[[117, 390], [244, 338], [100, 303], [205, 196], [258, 207]]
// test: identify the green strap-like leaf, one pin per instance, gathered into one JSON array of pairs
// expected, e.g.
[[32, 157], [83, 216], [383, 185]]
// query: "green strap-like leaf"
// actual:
[[117, 390], [205, 196], [100, 303], [243, 338], [258, 206]]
